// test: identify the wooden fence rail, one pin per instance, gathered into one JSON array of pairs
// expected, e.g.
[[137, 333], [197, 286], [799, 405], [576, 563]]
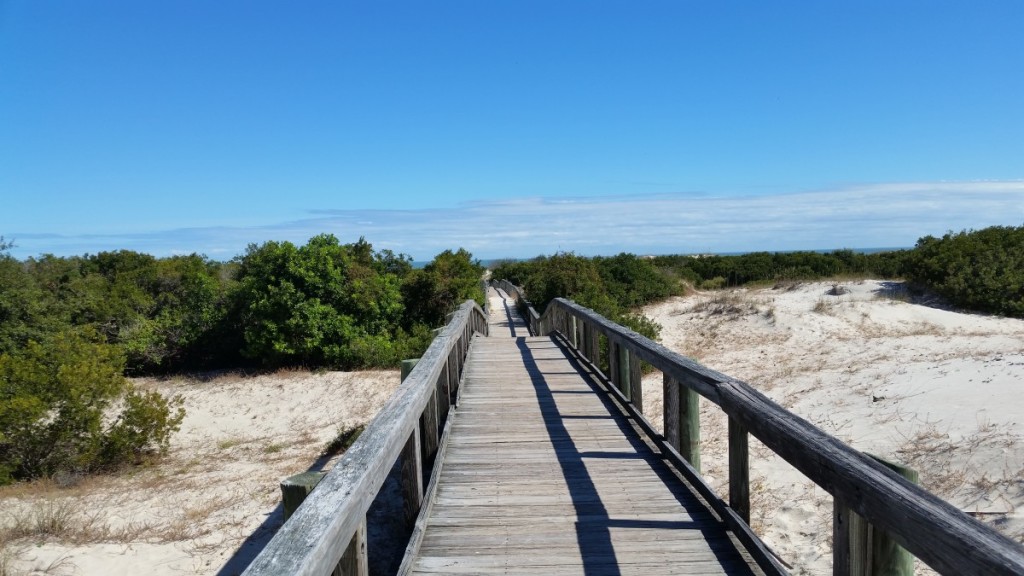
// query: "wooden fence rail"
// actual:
[[940, 535], [331, 522]]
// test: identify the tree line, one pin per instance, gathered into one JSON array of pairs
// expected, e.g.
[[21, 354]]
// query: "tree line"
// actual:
[[976, 270], [73, 328]]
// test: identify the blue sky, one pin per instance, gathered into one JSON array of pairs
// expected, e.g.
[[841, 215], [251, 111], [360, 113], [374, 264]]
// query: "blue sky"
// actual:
[[507, 128]]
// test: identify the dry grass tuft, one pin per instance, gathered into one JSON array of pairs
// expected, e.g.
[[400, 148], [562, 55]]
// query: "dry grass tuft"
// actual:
[[824, 306], [730, 305]]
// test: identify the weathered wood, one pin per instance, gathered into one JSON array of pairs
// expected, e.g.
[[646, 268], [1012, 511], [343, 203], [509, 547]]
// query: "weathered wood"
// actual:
[[624, 372], [428, 434], [416, 538], [841, 549], [931, 529], [354, 560], [407, 366], [313, 540], [412, 477], [681, 407], [594, 345], [689, 432], [739, 470], [757, 549], [412, 463], [294, 490], [636, 390], [860, 549], [613, 364], [670, 408], [888, 557], [538, 477]]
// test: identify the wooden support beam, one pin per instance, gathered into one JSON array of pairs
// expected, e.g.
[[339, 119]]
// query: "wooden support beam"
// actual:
[[636, 383], [623, 372], [407, 366], [294, 490], [428, 434], [860, 549], [681, 408], [354, 560], [412, 464], [670, 409], [739, 470], [689, 430], [412, 477], [613, 363]]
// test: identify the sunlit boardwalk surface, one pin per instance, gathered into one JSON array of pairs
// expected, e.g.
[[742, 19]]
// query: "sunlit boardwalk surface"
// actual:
[[544, 474]]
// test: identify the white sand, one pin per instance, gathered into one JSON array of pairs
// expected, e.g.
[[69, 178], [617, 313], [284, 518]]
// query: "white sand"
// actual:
[[937, 390], [214, 501]]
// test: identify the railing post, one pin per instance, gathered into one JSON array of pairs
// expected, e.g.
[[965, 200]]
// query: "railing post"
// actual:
[[670, 411], [689, 430], [613, 363], [354, 560], [294, 490], [860, 549], [412, 464], [448, 374], [624, 371], [412, 477], [428, 434], [739, 470], [681, 407], [636, 390]]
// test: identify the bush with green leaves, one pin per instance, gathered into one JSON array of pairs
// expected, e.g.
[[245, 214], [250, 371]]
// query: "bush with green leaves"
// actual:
[[65, 406], [710, 272], [322, 304], [440, 287], [612, 287], [979, 269]]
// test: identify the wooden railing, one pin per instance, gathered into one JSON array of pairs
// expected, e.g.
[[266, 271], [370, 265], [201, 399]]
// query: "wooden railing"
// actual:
[[328, 530], [940, 535]]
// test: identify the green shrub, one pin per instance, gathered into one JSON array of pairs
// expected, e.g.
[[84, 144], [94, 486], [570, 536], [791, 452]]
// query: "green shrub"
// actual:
[[611, 287], [55, 400], [979, 270]]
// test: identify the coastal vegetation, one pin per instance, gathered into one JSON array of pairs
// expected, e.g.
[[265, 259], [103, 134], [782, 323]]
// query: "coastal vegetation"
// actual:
[[977, 270], [611, 286], [73, 328], [980, 271]]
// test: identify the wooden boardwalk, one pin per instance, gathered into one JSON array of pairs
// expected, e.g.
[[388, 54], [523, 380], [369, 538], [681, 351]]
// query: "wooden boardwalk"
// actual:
[[543, 474]]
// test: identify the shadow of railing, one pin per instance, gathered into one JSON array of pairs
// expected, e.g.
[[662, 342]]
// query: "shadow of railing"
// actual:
[[594, 523]]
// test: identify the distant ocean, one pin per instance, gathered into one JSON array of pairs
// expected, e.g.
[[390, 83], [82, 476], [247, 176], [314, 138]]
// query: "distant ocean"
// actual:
[[487, 263]]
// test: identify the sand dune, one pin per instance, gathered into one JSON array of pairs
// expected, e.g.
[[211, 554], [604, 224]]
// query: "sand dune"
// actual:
[[938, 390], [214, 501]]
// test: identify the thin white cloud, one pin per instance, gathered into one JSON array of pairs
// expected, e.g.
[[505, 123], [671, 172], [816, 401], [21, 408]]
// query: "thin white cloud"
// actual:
[[882, 215]]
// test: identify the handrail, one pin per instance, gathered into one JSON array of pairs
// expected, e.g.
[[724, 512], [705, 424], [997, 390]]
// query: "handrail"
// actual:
[[940, 535], [330, 520]]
